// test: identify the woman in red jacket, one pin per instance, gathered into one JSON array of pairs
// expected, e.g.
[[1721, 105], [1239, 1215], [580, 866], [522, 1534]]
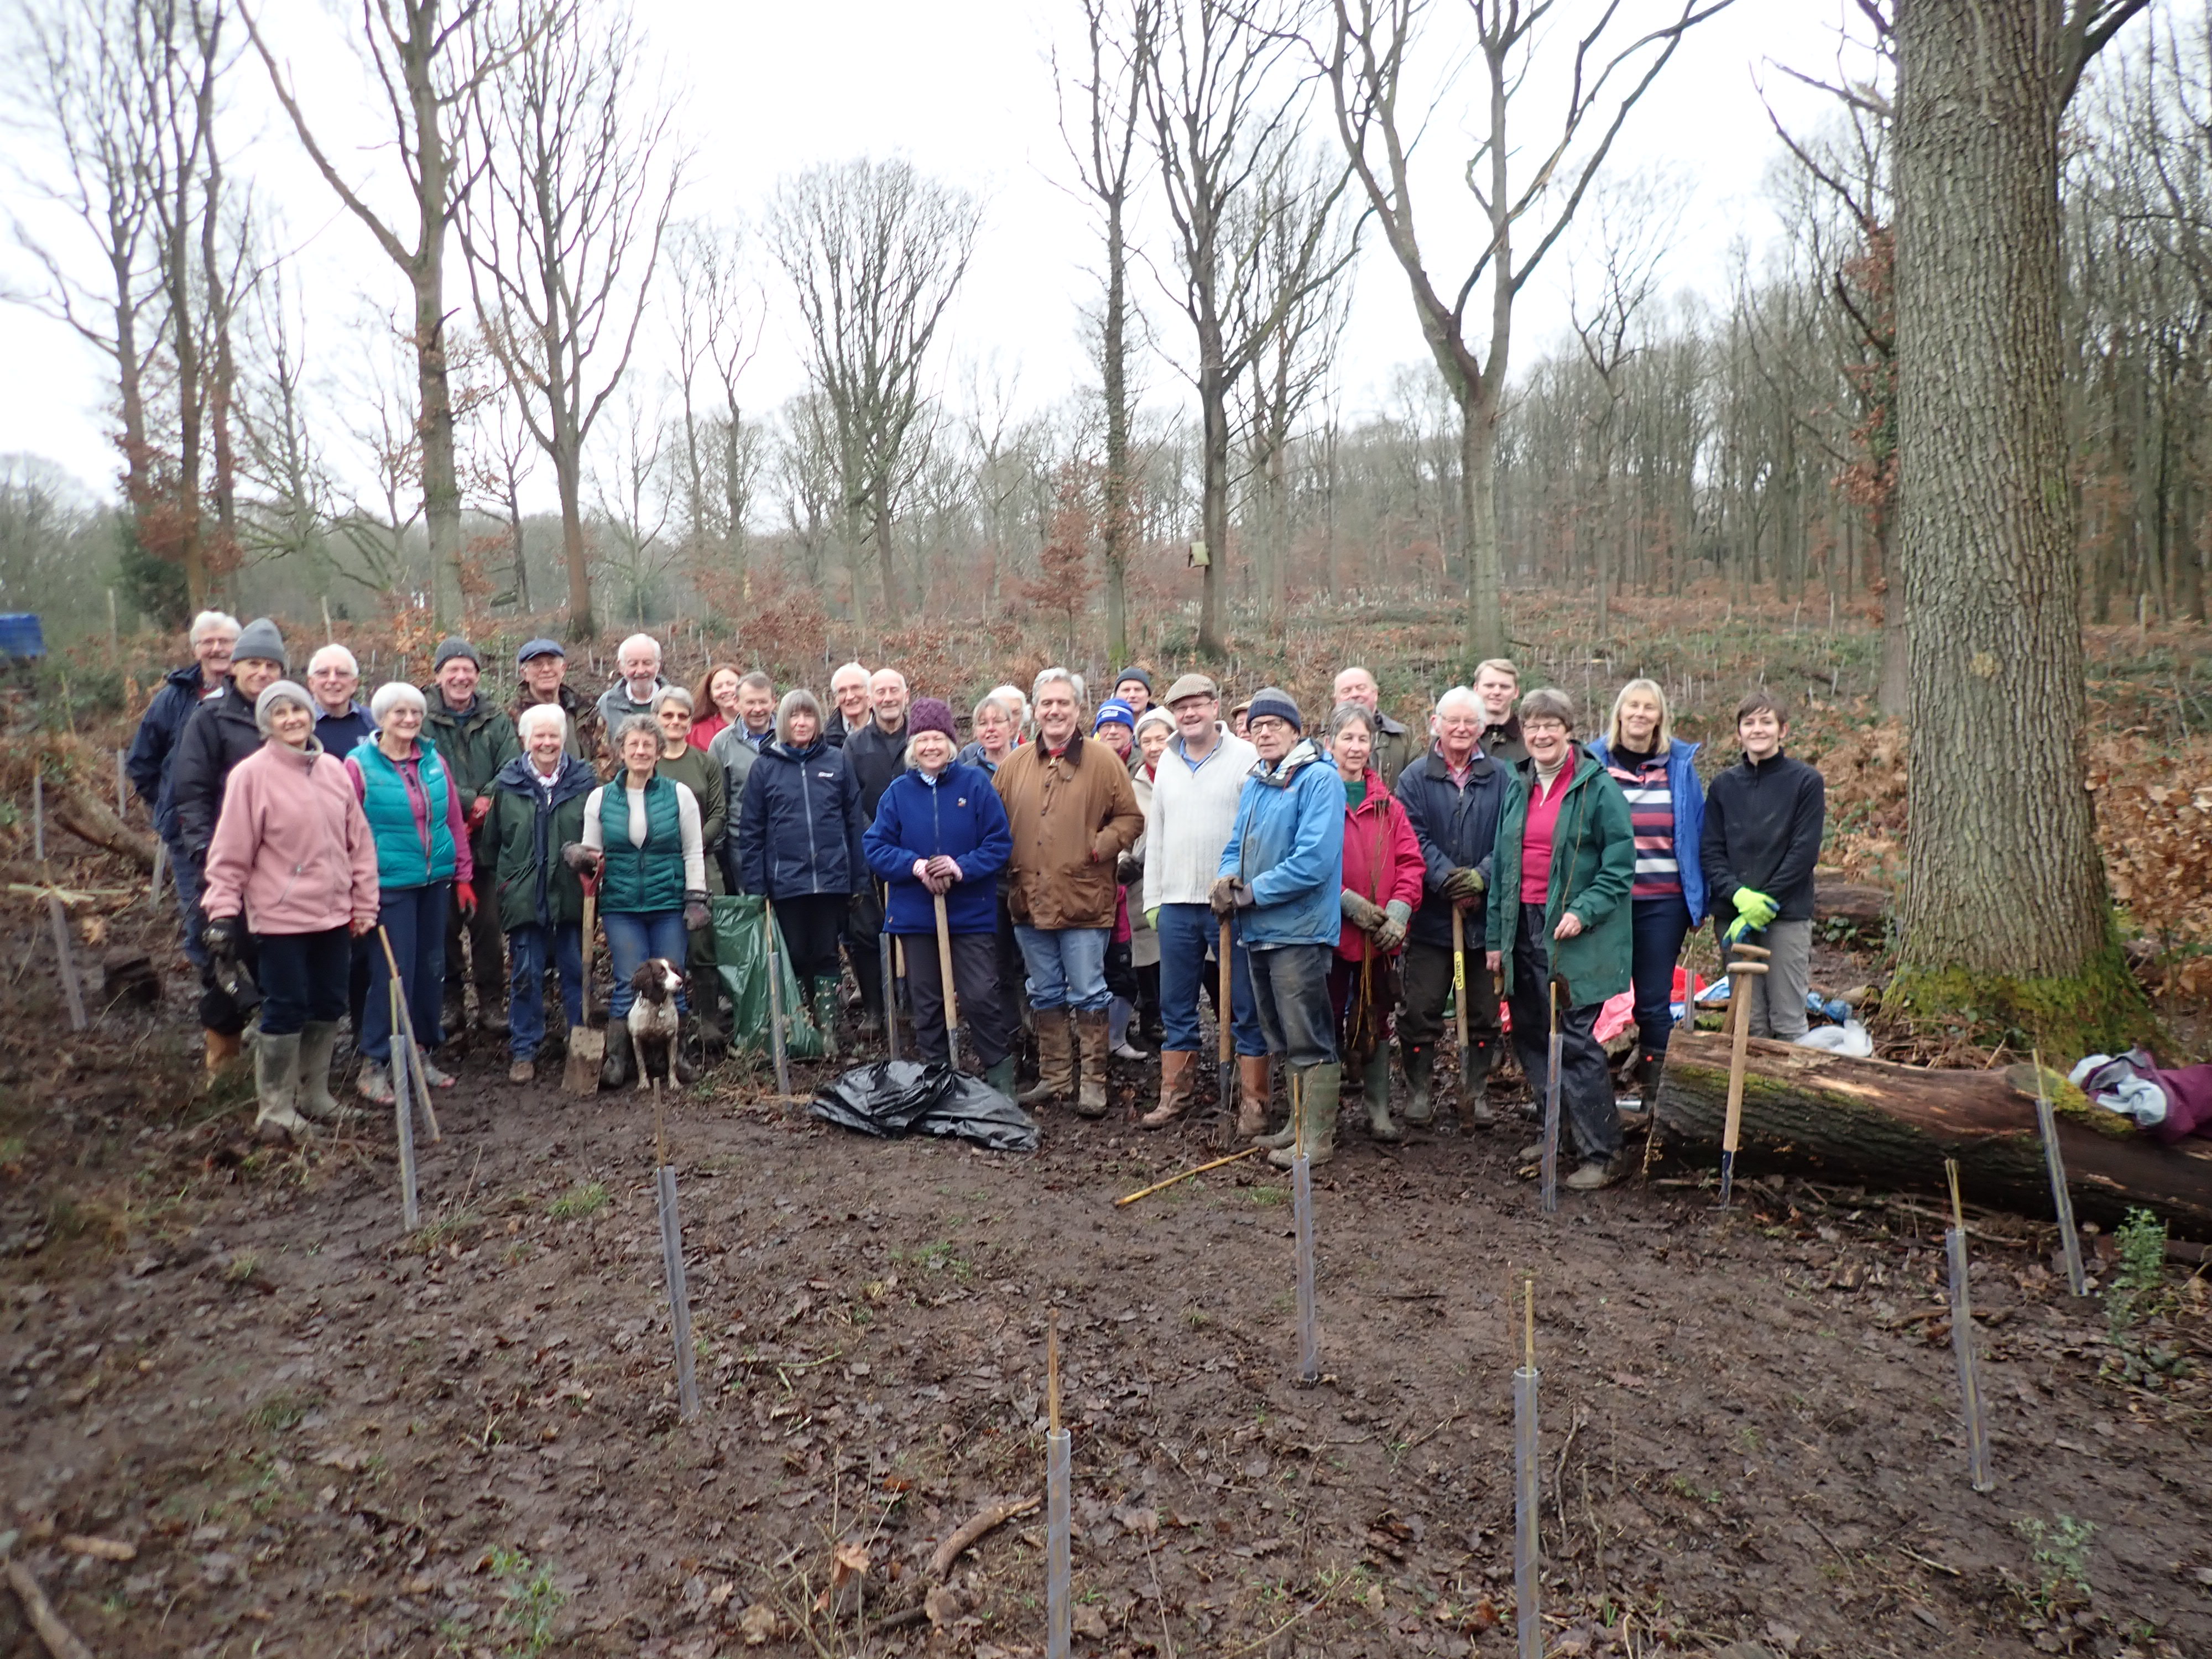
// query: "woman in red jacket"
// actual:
[[1383, 872]]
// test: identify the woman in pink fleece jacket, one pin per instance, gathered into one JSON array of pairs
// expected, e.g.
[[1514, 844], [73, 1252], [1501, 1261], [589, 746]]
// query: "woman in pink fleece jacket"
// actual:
[[292, 860]]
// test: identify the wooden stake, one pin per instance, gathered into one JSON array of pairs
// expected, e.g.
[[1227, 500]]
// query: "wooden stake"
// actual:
[[1157, 1186], [39, 814], [122, 789]]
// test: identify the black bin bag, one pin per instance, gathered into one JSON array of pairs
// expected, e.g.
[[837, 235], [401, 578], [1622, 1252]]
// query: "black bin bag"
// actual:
[[895, 1097]]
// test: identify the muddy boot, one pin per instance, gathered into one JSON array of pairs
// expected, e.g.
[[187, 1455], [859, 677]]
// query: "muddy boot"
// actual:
[[1376, 1087], [1597, 1172], [319, 1039], [222, 1047], [1474, 1110], [1420, 1061], [1177, 1066], [681, 1072], [277, 1086], [822, 1007], [1254, 1083], [615, 1069], [1055, 1040], [1315, 1116], [1647, 1068], [1094, 1044], [1001, 1076]]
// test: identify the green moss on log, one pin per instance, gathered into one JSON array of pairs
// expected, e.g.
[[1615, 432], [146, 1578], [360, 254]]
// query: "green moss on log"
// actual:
[[2101, 1009]]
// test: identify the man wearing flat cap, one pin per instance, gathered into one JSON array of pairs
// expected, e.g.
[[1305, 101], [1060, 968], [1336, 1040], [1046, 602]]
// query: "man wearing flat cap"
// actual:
[[542, 666]]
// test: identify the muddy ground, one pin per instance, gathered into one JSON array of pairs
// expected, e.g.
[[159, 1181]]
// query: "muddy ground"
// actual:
[[320, 1436]]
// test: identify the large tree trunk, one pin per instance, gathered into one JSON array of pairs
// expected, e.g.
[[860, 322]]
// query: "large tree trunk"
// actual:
[[2004, 884], [1483, 570], [1869, 1122], [1113, 362], [441, 489], [583, 627], [1213, 513]]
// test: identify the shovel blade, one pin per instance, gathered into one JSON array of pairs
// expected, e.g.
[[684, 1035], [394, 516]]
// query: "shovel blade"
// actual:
[[586, 1048]]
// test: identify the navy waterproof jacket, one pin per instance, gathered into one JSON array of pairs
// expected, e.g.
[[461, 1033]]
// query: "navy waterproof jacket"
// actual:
[[1458, 830], [798, 827], [156, 745], [220, 735], [959, 815]]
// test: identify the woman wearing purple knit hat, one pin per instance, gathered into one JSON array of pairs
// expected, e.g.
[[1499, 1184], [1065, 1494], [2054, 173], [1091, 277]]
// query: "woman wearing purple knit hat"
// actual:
[[940, 829]]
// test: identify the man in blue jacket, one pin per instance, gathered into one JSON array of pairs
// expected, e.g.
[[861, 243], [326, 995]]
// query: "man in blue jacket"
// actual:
[[940, 831], [1280, 877], [155, 747]]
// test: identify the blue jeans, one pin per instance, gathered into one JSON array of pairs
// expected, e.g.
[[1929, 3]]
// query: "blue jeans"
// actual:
[[415, 917], [1661, 925], [303, 978], [633, 939], [1066, 967], [1186, 932], [1289, 992], [186, 875], [527, 948]]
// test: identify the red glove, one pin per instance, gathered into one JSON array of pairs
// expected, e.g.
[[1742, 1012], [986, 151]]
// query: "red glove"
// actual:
[[479, 810], [464, 892]]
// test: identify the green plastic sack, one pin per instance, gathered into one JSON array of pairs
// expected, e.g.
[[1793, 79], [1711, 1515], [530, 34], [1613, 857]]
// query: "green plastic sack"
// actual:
[[741, 958]]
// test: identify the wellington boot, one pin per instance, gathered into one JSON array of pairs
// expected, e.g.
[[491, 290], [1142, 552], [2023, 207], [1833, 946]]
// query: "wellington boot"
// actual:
[[1094, 1042], [1475, 1109], [615, 1069], [1055, 1040], [319, 1039], [1376, 1088], [825, 1016], [681, 1074], [1254, 1083], [1316, 1088], [276, 1088], [1001, 1076], [222, 1047], [1177, 1067], [1598, 1172], [1420, 1062]]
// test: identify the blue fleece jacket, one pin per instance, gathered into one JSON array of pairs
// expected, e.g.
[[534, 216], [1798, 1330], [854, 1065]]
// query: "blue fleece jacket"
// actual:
[[1288, 843], [959, 815]]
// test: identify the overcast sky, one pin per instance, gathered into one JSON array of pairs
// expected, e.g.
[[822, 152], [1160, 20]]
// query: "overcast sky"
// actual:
[[964, 89]]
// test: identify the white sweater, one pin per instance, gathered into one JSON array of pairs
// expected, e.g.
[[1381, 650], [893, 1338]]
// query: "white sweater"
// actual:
[[1188, 821]]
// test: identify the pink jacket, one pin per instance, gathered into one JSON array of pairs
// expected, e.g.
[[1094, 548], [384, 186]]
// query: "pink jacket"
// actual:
[[291, 846]]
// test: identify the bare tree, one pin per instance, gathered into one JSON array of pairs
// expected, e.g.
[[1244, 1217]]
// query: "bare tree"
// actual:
[[1524, 210], [499, 463], [432, 59], [289, 493], [578, 168], [874, 251], [719, 316], [2005, 906], [631, 500], [1119, 35], [1224, 115]]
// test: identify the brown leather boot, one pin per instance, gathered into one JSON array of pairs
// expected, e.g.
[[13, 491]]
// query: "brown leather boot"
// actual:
[[1177, 1065], [222, 1047], [1253, 1084], [1055, 1039], [1093, 1039]]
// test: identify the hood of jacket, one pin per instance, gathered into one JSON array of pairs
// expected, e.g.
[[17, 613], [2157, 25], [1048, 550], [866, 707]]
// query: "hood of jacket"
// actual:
[[574, 778], [190, 677]]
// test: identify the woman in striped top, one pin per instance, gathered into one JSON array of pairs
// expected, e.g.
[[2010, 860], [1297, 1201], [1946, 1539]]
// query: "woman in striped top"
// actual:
[[1667, 810]]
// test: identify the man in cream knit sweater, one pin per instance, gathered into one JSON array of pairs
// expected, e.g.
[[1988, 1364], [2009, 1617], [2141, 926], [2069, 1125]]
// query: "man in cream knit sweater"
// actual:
[[1196, 788]]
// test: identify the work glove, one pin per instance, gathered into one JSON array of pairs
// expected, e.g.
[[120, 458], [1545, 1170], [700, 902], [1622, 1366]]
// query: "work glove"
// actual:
[[464, 895], [1223, 897], [1359, 910], [696, 915], [1152, 918], [219, 935], [1397, 916], [1464, 886], [479, 810], [1129, 868], [1754, 906]]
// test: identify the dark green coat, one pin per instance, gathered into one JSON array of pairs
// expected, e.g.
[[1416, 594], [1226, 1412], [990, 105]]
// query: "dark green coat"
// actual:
[[523, 838], [474, 742], [1593, 867]]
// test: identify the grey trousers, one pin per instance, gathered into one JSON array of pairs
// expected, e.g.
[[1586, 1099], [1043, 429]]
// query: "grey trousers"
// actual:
[[1777, 996]]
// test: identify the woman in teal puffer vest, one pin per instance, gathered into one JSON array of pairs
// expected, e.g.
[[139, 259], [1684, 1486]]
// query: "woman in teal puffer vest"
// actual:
[[423, 861], [644, 831]]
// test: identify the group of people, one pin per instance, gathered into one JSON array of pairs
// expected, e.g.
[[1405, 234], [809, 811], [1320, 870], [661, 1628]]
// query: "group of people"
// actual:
[[1089, 867]]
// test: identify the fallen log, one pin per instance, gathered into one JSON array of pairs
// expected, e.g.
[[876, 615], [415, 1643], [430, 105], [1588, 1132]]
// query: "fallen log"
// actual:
[[89, 818], [1860, 904], [1881, 1125]]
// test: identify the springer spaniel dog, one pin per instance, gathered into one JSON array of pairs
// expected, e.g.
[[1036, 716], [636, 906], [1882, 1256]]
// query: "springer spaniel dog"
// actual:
[[652, 1020]]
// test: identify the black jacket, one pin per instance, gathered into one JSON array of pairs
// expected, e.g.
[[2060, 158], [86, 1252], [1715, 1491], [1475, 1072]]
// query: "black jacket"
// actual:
[[216, 738], [155, 747], [798, 827], [1457, 828], [874, 757], [1763, 828]]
